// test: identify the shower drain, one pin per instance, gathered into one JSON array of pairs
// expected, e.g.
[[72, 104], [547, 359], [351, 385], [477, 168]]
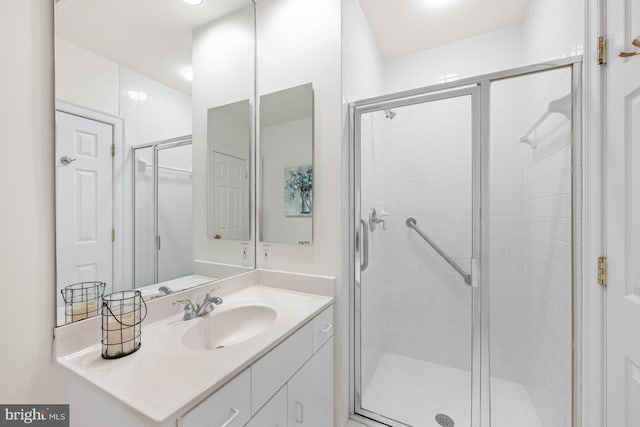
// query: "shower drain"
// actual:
[[444, 420]]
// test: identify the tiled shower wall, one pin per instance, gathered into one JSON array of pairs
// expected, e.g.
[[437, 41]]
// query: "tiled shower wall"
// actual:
[[547, 296], [427, 169]]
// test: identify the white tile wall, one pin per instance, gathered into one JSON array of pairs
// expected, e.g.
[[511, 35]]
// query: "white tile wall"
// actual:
[[547, 296], [427, 170]]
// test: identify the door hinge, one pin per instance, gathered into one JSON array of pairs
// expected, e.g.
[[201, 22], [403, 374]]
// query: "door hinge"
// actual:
[[113, 234], [602, 50], [113, 150], [602, 271]]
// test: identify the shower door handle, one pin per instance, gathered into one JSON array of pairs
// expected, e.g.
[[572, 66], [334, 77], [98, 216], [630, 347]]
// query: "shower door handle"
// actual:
[[364, 245], [475, 273]]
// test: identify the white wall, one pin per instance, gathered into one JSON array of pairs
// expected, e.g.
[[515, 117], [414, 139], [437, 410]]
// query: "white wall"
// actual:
[[223, 73], [27, 267], [299, 42], [86, 79], [486, 53]]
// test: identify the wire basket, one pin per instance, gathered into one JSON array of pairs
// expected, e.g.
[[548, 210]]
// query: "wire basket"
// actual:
[[82, 300], [122, 323]]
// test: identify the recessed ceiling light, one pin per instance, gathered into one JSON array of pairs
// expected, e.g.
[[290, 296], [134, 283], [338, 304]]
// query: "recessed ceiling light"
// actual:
[[193, 2], [438, 4]]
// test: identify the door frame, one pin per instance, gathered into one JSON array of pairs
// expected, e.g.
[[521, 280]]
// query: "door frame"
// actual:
[[480, 412], [118, 180]]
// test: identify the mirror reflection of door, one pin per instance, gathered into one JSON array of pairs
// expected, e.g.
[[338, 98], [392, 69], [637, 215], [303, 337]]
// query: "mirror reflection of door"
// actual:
[[229, 147], [84, 219], [230, 199]]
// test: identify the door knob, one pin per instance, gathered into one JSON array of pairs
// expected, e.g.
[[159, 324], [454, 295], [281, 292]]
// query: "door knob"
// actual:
[[66, 160], [636, 43]]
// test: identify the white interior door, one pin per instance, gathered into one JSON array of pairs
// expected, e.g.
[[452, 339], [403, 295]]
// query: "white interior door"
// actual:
[[84, 217], [623, 216], [229, 197]]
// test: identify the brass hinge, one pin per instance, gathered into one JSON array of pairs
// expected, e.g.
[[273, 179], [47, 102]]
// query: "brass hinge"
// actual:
[[602, 50], [113, 234], [602, 271], [113, 150]]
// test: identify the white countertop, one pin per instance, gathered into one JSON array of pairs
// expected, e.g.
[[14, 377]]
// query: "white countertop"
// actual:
[[164, 379]]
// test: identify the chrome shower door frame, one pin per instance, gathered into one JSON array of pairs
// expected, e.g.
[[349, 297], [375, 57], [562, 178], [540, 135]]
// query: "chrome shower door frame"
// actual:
[[479, 90], [156, 147], [474, 92]]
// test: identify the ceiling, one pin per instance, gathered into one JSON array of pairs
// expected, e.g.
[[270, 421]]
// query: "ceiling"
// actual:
[[151, 37], [402, 27]]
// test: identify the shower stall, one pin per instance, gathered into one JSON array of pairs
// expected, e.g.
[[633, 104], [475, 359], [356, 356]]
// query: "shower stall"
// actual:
[[465, 223], [162, 202]]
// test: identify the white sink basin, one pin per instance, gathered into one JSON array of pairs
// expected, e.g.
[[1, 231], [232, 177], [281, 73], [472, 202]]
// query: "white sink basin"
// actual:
[[229, 327]]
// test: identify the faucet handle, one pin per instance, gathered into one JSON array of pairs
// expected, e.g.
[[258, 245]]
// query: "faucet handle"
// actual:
[[189, 308], [182, 301], [208, 298]]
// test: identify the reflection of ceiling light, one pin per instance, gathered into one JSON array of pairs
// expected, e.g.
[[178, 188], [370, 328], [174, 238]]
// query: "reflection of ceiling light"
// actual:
[[448, 78], [438, 4], [188, 73], [193, 2], [137, 95]]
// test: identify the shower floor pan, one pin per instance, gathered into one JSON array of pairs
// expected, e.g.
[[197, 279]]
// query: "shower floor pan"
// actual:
[[414, 392]]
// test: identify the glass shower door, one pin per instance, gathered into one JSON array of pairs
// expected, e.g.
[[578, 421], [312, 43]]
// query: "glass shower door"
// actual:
[[416, 203], [174, 219]]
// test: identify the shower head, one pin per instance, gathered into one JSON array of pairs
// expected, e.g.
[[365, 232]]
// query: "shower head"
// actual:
[[389, 114]]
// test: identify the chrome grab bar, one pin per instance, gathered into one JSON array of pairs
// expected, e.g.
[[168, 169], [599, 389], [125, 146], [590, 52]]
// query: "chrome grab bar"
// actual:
[[412, 223], [364, 245]]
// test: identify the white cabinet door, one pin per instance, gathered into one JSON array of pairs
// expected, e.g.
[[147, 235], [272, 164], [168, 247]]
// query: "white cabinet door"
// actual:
[[623, 215], [274, 413], [276, 367], [228, 407], [310, 400]]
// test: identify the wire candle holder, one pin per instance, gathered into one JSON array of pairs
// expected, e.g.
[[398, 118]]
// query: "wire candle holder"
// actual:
[[82, 300], [122, 323]]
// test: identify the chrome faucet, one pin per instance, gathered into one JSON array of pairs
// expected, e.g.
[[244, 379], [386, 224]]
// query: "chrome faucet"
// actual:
[[191, 310], [165, 290]]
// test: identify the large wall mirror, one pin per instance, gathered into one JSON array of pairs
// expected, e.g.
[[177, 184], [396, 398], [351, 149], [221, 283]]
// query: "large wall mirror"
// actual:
[[154, 146], [286, 166]]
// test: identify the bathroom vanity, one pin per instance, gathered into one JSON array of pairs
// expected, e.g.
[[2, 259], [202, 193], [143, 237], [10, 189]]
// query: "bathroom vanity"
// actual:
[[262, 358]]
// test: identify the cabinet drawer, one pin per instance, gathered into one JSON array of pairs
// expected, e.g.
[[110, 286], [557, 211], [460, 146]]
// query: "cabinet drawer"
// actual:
[[322, 328], [230, 405], [274, 413], [276, 367]]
